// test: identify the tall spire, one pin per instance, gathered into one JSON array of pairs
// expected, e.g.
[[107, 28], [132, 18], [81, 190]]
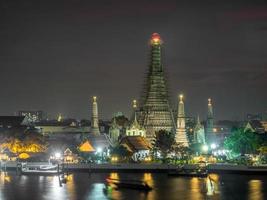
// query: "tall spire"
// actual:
[[94, 121], [198, 120], [210, 112], [209, 119], [134, 109], [155, 113], [180, 131], [199, 132]]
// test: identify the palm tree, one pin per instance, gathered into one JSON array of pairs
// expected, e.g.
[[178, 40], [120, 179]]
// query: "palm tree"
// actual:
[[242, 142]]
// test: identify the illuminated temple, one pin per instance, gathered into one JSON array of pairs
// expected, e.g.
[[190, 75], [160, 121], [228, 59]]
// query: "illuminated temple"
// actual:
[[155, 113]]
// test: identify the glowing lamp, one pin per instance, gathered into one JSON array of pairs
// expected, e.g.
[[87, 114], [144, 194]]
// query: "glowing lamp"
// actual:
[[57, 155], [205, 148], [213, 146], [99, 150], [155, 39]]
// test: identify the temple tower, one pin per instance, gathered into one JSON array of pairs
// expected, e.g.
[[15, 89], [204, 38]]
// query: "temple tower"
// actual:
[[209, 127], [155, 113], [94, 119], [199, 133], [180, 130]]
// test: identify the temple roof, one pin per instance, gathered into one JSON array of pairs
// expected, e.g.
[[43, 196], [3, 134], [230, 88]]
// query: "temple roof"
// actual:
[[135, 143], [86, 147]]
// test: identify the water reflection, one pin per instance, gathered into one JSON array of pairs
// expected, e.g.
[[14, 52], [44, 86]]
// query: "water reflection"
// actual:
[[255, 190], [97, 192], [80, 186], [148, 178], [4, 177], [70, 186], [114, 175], [55, 191], [196, 188]]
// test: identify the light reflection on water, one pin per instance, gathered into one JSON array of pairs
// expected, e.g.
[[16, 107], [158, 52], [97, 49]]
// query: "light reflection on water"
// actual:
[[255, 190], [81, 186]]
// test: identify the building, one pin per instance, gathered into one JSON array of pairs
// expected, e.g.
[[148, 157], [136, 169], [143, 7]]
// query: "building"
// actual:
[[138, 146], [135, 129], [181, 136], [155, 113], [32, 116], [255, 126]]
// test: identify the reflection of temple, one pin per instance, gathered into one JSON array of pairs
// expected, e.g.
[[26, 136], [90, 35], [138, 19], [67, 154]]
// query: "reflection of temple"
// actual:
[[155, 113]]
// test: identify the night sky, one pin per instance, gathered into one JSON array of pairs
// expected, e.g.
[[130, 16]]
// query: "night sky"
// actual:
[[55, 55]]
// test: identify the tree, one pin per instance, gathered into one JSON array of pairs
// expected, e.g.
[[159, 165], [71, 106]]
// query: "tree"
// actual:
[[18, 141], [242, 142], [163, 142], [120, 151], [181, 151]]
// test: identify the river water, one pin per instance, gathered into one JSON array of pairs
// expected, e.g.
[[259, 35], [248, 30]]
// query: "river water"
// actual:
[[90, 187]]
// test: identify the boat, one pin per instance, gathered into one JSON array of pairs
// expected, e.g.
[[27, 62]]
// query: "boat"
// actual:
[[40, 168], [130, 184]]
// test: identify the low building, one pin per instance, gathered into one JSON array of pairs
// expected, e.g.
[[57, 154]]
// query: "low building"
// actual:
[[135, 129], [255, 126], [32, 116], [138, 145]]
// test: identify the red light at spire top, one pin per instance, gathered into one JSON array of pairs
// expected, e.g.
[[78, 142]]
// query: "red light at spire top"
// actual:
[[155, 38]]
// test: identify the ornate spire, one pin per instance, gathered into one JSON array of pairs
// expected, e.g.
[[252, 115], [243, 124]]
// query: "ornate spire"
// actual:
[[181, 132], [210, 112], [199, 132], [94, 121], [135, 122], [210, 118], [181, 113], [134, 104], [198, 120], [59, 118]]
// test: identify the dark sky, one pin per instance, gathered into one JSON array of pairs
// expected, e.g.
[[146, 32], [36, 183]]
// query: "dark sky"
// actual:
[[56, 54]]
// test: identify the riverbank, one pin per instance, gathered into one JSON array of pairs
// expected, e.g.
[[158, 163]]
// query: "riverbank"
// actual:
[[154, 167]]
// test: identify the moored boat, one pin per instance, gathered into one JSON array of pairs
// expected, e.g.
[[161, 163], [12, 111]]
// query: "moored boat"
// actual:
[[40, 169]]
